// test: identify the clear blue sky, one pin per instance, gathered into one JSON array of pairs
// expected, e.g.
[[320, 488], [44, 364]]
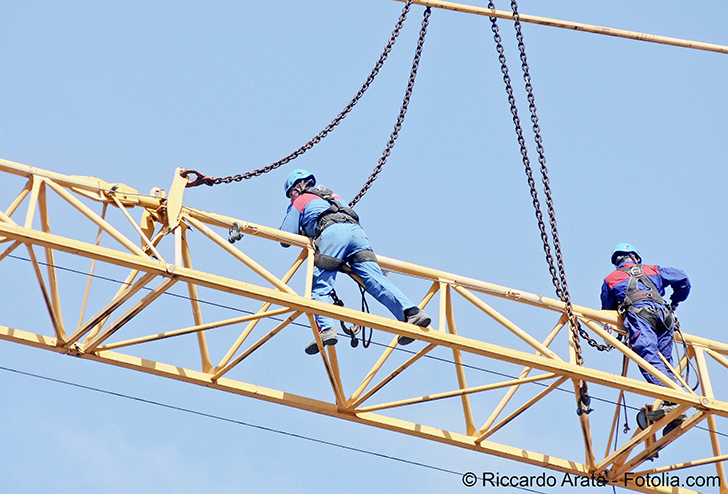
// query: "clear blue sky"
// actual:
[[634, 135]]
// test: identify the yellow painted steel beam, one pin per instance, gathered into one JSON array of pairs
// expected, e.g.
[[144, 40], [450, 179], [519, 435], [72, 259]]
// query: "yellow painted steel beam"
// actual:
[[637, 438], [249, 328], [459, 392], [679, 466], [216, 282], [625, 366], [9, 250], [458, 358], [386, 380], [518, 411], [224, 370], [707, 387], [90, 187], [194, 302], [575, 26], [55, 322], [303, 403], [18, 199], [125, 293], [145, 241], [649, 453], [50, 262], [194, 329], [130, 313], [372, 373], [91, 271]]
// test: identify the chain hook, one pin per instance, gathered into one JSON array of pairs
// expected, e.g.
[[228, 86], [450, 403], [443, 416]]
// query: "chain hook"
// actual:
[[201, 179], [585, 400]]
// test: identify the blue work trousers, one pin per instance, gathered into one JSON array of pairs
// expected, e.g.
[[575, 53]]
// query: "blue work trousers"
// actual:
[[341, 240], [649, 343]]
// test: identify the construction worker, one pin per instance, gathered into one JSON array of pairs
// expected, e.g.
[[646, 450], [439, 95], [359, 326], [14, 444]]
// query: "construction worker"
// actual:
[[637, 291], [338, 238]]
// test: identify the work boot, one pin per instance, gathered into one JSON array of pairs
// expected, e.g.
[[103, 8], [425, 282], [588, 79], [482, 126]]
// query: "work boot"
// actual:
[[328, 337], [664, 408], [416, 316]]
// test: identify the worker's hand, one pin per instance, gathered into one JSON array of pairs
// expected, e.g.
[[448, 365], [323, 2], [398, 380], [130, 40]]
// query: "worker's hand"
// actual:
[[610, 329]]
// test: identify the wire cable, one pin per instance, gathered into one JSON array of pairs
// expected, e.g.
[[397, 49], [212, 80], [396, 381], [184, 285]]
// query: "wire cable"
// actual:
[[226, 419], [240, 422]]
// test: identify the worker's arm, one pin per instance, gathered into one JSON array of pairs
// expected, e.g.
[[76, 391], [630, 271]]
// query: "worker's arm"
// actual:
[[678, 281], [608, 301], [291, 223]]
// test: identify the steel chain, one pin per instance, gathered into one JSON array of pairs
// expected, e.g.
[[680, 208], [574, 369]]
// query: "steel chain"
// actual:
[[547, 190], [558, 280], [255, 173], [402, 111]]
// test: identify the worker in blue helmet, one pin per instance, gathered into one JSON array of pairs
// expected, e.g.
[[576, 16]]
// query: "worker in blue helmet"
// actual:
[[317, 212], [637, 291]]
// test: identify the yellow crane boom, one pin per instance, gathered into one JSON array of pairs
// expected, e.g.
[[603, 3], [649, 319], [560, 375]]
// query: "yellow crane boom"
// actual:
[[157, 249]]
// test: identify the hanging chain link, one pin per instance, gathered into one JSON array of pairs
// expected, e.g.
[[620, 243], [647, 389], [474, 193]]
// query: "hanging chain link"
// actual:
[[558, 278], [402, 111], [203, 179]]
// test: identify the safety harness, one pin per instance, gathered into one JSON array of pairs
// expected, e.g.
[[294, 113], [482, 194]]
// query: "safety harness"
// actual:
[[336, 213], [635, 294]]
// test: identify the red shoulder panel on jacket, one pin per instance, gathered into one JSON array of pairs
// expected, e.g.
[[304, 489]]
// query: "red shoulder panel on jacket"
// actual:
[[649, 270], [301, 201], [615, 277]]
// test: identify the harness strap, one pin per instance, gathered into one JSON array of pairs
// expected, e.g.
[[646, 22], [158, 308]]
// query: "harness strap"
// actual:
[[336, 213], [362, 256], [650, 315], [327, 263], [634, 293], [331, 263]]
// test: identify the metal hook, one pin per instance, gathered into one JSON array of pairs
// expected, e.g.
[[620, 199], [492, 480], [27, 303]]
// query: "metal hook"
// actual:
[[201, 179]]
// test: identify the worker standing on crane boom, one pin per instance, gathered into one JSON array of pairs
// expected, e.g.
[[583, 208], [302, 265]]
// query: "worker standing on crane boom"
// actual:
[[637, 291], [338, 238]]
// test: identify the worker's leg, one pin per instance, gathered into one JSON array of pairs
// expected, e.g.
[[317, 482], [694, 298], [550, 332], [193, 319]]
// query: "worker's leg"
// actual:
[[665, 338], [334, 242], [323, 283], [374, 280], [382, 289], [644, 342]]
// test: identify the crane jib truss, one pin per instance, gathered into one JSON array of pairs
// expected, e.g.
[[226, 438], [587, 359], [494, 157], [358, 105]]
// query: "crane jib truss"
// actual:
[[166, 225]]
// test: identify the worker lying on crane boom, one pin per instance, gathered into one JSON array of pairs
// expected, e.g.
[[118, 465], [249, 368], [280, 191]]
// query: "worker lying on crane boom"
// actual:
[[637, 291], [338, 238]]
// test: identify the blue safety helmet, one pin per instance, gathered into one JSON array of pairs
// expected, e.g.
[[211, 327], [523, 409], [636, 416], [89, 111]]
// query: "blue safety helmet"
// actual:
[[624, 249], [296, 176]]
